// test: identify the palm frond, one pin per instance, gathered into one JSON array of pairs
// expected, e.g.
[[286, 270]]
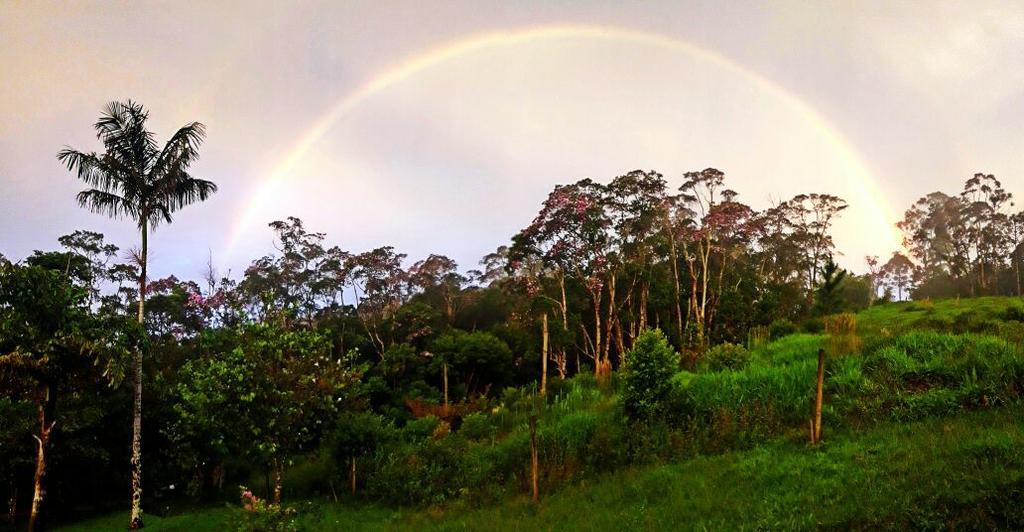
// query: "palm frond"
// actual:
[[181, 150], [104, 202], [97, 171], [122, 129]]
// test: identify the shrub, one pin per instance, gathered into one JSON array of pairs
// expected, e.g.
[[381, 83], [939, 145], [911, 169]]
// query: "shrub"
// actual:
[[725, 356], [814, 326], [1013, 313], [647, 379], [780, 328], [420, 429], [262, 516], [476, 426], [973, 321]]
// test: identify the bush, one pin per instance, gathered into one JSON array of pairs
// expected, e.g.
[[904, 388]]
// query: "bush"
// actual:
[[477, 426], [259, 515], [814, 326], [780, 328], [647, 379], [725, 356], [1013, 313], [420, 429]]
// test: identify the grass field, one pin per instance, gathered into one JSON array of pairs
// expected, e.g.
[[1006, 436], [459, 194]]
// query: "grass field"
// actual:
[[966, 471]]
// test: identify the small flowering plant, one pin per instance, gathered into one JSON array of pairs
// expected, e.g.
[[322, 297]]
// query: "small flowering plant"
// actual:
[[260, 515]]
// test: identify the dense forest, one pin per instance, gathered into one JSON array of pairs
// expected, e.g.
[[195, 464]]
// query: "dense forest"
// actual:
[[368, 372]]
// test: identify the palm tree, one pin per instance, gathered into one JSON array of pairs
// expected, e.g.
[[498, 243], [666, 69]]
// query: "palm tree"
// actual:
[[133, 178]]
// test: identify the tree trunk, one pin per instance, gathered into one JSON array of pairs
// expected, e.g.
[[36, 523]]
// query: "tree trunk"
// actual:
[[1016, 266], [444, 384], [675, 278], [46, 423], [278, 474], [819, 396], [136, 457], [609, 319], [544, 354], [12, 507], [597, 333], [352, 475], [534, 459]]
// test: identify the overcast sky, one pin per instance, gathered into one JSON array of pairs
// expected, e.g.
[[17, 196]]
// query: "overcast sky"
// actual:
[[457, 118]]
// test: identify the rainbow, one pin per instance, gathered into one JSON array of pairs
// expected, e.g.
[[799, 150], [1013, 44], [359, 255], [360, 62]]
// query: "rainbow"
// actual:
[[868, 195]]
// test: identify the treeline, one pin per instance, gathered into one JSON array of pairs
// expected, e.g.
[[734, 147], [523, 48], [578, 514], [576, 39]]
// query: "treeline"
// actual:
[[965, 244]]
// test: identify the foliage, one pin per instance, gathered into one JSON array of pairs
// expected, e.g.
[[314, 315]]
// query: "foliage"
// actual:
[[724, 356], [265, 395], [258, 515], [781, 327], [646, 382], [477, 360]]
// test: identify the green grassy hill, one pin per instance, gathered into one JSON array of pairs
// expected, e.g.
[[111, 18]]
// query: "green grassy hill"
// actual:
[[921, 431], [963, 471]]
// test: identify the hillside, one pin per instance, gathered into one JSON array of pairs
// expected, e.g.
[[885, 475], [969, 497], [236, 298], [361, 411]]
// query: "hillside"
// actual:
[[962, 470], [920, 431]]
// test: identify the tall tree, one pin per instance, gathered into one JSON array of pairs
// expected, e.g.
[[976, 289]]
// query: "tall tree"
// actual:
[[718, 232], [135, 178], [571, 235], [47, 337], [898, 271]]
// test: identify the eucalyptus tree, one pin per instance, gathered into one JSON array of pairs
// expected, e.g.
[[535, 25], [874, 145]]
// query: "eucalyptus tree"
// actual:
[[985, 213], [636, 202], [720, 230], [135, 178], [572, 235]]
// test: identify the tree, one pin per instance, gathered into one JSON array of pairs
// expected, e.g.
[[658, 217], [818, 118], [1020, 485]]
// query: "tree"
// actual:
[[136, 179], [812, 216], [935, 234], [985, 202], [648, 377], [898, 273], [874, 277], [478, 360], [829, 295], [437, 276], [264, 395], [718, 232], [1015, 232], [379, 283], [571, 236], [47, 339]]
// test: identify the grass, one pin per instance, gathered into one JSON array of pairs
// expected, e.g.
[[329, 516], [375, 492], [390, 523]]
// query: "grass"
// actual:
[[965, 471], [204, 520], [931, 453], [948, 315], [929, 474]]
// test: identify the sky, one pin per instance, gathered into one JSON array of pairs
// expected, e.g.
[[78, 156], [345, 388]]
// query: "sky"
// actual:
[[440, 127]]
